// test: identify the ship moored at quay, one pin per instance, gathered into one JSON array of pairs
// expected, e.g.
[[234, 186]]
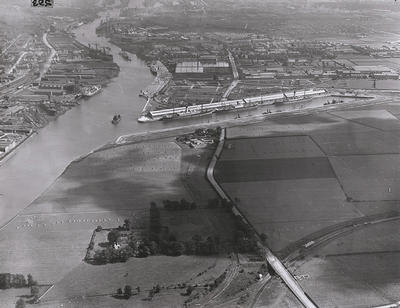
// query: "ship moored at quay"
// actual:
[[224, 106]]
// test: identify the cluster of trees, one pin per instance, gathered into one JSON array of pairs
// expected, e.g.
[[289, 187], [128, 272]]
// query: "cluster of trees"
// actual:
[[196, 246], [156, 289], [35, 293], [8, 281], [163, 242], [159, 241], [179, 205], [135, 248], [126, 226], [245, 240], [201, 132], [111, 255], [20, 303], [217, 281], [219, 203], [127, 292], [204, 132], [155, 222]]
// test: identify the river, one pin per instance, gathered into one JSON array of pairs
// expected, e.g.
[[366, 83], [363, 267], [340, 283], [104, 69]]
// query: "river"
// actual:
[[37, 163], [40, 160]]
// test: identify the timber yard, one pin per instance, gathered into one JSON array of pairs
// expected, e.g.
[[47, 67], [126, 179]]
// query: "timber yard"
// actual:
[[200, 153]]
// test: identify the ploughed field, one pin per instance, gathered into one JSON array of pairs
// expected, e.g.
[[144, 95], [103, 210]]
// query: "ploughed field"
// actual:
[[298, 175]]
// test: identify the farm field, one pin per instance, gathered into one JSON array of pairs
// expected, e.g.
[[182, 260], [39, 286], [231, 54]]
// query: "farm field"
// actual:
[[379, 119], [273, 169], [289, 210], [369, 177], [270, 148], [362, 143], [10, 296], [295, 125], [127, 177], [142, 272], [287, 201], [297, 168], [170, 299], [50, 245], [357, 270], [49, 238]]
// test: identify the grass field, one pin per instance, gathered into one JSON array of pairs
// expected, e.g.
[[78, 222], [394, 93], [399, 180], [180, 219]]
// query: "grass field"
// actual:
[[270, 148], [289, 210], [273, 169], [128, 177], [358, 270], [369, 177], [370, 142], [170, 299], [287, 201], [298, 178], [296, 125], [50, 237], [89, 280], [9, 297], [379, 119]]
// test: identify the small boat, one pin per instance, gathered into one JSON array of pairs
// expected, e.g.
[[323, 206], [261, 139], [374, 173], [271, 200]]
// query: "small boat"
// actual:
[[125, 55], [116, 119]]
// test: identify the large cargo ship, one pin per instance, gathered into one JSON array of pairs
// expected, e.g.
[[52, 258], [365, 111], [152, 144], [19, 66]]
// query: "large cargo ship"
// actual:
[[224, 106], [99, 53]]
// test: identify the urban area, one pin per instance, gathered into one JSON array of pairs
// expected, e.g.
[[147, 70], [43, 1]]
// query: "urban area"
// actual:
[[199, 153]]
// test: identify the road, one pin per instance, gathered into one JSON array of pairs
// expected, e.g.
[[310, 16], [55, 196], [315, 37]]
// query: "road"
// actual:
[[233, 65], [235, 77], [16, 63], [52, 54], [275, 263], [229, 90], [11, 43], [10, 88]]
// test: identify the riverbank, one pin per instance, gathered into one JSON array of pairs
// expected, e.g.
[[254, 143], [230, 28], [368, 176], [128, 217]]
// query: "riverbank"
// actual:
[[162, 80], [40, 159], [4, 157], [59, 88]]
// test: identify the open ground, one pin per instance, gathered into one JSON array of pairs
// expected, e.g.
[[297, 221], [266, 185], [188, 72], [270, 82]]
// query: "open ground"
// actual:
[[49, 238], [293, 176]]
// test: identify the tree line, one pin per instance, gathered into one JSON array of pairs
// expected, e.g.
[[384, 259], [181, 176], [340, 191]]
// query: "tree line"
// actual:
[[8, 281]]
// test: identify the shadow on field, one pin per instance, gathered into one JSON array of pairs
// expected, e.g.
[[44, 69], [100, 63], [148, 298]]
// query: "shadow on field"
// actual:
[[123, 178]]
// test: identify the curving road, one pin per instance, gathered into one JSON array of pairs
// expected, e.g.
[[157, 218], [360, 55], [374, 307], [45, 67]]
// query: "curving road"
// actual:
[[235, 73], [52, 54]]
